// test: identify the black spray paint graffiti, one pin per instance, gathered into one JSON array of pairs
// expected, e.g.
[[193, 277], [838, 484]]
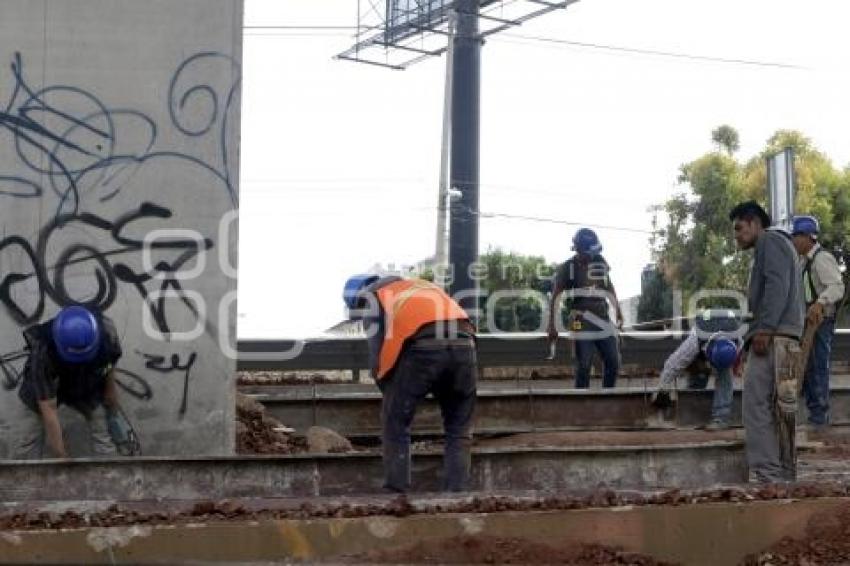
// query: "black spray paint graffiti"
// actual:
[[158, 363], [76, 134], [106, 275], [134, 384], [11, 365], [71, 148]]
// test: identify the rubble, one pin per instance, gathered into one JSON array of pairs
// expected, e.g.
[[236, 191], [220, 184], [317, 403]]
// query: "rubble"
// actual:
[[324, 440], [401, 506], [248, 378], [826, 541], [258, 433]]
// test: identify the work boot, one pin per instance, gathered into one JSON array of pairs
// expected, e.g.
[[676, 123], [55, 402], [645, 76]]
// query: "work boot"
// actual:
[[715, 426]]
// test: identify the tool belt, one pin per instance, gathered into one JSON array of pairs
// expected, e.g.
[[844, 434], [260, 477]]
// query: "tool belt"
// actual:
[[438, 343], [788, 374], [435, 336], [787, 354], [578, 320]]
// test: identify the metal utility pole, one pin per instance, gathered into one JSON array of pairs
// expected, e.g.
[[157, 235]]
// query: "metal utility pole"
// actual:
[[440, 257], [465, 120], [406, 33]]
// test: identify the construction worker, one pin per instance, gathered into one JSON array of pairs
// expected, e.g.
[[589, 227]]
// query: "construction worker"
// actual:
[[714, 341], [823, 290], [420, 342], [775, 298], [70, 362], [589, 291]]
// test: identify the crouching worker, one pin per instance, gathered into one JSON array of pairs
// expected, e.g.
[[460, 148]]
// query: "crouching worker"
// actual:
[[715, 342], [71, 361], [420, 342]]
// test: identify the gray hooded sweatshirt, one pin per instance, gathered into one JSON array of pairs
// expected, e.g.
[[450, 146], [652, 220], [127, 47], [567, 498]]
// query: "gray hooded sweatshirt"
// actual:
[[776, 292]]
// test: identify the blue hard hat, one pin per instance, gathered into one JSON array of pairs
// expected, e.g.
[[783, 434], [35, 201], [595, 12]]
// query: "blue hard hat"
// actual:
[[353, 286], [76, 334], [586, 241], [805, 225], [721, 352]]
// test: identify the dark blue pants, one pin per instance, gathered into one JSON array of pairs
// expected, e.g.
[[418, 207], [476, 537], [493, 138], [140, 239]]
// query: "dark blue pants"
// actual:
[[450, 373], [608, 348], [816, 380]]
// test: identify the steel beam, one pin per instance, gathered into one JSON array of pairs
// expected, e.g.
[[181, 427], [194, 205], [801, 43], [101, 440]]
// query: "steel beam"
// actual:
[[493, 469], [643, 348], [355, 410]]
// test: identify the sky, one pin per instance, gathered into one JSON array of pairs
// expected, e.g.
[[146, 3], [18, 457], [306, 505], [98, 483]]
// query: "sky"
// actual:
[[340, 161]]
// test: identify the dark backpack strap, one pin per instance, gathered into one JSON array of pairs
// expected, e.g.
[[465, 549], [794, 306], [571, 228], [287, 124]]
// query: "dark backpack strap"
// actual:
[[807, 275]]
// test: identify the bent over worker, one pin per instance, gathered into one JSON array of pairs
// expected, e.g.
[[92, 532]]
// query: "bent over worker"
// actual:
[[420, 342], [71, 360], [714, 340], [823, 290], [775, 298]]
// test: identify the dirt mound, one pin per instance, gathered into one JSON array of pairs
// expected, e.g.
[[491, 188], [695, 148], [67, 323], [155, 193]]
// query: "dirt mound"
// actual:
[[827, 541], [258, 433], [500, 550]]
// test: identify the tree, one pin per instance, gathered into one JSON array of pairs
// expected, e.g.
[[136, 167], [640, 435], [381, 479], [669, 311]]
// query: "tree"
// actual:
[[726, 137], [656, 296], [695, 250], [524, 276], [819, 184]]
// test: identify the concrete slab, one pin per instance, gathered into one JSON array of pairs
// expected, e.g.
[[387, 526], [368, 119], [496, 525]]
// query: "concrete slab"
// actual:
[[712, 534]]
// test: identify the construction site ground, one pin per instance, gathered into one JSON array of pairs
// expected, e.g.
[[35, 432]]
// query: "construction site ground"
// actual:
[[824, 469], [725, 525], [803, 523]]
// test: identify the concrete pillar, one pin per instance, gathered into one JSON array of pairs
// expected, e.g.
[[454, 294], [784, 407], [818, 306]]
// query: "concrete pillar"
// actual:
[[119, 161]]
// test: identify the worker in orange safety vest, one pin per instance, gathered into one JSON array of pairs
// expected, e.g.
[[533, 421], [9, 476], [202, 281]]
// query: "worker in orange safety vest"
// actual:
[[420, 342]]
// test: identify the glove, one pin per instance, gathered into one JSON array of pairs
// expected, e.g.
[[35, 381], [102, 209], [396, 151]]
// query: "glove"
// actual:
[[661, 400], [122, 434], [814, 315]]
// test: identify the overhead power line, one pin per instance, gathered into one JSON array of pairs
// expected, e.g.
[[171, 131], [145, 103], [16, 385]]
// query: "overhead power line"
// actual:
[[294, 29], [558, 221], [654, 52]]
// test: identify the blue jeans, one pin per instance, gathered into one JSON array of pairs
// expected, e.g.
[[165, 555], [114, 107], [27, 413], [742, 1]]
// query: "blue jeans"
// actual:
[[608, 348], [451, 374], [816, 379], [721, 404]]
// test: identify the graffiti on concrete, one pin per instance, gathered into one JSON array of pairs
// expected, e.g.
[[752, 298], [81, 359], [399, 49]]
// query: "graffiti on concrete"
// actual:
[[69, 137], [159, 364], [11, 365], [51, 278], [96, 171]]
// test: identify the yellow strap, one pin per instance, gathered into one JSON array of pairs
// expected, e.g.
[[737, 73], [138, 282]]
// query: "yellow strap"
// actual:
[[415, 287]]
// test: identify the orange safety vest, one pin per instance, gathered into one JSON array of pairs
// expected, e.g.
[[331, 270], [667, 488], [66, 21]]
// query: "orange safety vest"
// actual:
[[409, 305]]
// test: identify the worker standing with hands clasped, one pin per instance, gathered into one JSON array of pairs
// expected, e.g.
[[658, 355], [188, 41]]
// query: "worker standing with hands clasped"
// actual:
[[585, 278], [71, 361], [823, 290], [420, 342], [775, 298]]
